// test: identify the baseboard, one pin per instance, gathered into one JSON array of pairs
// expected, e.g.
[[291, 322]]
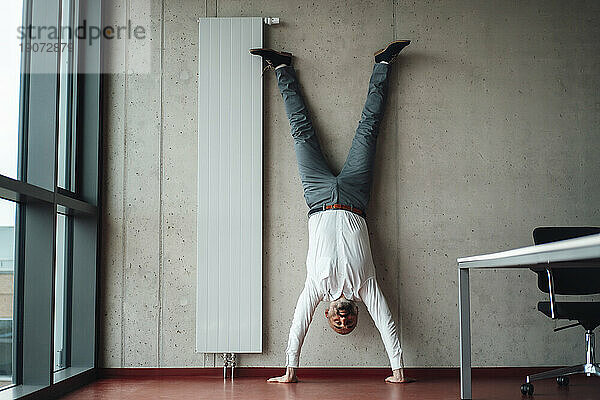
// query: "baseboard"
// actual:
[[318, 372]]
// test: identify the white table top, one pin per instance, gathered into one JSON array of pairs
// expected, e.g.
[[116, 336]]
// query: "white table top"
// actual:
[[583, 248]]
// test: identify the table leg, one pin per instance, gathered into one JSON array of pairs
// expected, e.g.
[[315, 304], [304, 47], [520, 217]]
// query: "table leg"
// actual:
[[464, 313]]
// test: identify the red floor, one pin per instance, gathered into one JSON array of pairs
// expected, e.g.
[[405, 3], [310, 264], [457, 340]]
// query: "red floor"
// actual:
[[182, 388]]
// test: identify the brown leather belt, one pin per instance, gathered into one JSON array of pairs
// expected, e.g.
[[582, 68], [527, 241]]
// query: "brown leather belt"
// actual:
[[337, 207]]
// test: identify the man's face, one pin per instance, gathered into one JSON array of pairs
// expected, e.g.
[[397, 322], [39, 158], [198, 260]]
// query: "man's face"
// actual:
[[342, 315]]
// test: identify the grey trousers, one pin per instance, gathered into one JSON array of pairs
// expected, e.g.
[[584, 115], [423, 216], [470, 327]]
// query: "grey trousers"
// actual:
[[352, 186]]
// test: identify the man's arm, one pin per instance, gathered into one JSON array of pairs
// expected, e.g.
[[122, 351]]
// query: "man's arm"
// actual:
[[305, 308], [373, 298]]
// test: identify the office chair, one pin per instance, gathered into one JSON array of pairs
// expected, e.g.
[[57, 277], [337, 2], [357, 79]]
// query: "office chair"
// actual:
[[568, 281]]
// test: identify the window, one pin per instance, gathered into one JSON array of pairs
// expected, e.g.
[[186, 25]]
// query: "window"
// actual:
[[60, 290], [49, 140], [68, 83], [10, 82], [7, 289]]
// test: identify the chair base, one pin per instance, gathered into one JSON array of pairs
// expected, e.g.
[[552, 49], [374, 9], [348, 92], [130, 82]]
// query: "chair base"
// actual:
[[588, 369]]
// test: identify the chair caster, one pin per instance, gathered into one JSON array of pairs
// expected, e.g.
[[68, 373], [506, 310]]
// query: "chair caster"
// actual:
[[562, 380], [527, 389]]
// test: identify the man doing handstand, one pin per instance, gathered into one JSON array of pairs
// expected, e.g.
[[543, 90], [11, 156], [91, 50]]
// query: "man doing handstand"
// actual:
[[339, 263]]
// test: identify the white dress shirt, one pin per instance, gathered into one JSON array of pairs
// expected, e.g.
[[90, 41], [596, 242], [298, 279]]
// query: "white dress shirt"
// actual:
[[339, 261]]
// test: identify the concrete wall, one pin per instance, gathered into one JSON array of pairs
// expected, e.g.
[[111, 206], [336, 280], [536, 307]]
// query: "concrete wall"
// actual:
[[491, 129]]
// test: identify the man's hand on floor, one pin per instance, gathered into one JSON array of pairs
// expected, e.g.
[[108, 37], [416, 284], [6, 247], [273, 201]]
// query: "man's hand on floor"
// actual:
[[398, 377], [289, 377]]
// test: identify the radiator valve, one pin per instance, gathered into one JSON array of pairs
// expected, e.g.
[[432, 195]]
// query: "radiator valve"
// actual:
[[229, 361], [271, 21]]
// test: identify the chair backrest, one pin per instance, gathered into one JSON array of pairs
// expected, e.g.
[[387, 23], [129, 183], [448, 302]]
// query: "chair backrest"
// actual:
[[570, 281]]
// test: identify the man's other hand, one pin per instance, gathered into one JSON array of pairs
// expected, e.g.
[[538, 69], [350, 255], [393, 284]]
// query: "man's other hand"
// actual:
[[289, 377]]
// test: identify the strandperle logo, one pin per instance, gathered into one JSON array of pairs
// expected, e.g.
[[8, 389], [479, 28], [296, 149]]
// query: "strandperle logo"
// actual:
[[81, 32]]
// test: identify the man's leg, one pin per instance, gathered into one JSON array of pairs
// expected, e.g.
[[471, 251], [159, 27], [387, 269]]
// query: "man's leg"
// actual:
[[316, 176], [356, 175]]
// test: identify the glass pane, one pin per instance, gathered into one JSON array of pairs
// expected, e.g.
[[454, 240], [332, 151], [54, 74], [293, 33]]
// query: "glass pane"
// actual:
[[60, 291], [74, 72], [10, 82], [7, 289], [65, 119]]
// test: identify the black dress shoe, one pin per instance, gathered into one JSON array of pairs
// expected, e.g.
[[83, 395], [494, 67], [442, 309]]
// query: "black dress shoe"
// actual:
[[272, 57], [391, 51]]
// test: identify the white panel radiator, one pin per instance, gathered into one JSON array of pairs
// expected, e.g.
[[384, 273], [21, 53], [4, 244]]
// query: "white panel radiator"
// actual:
[[229, 217]]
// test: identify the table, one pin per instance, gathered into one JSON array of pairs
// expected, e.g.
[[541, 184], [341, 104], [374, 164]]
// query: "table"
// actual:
[[550, 255]]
